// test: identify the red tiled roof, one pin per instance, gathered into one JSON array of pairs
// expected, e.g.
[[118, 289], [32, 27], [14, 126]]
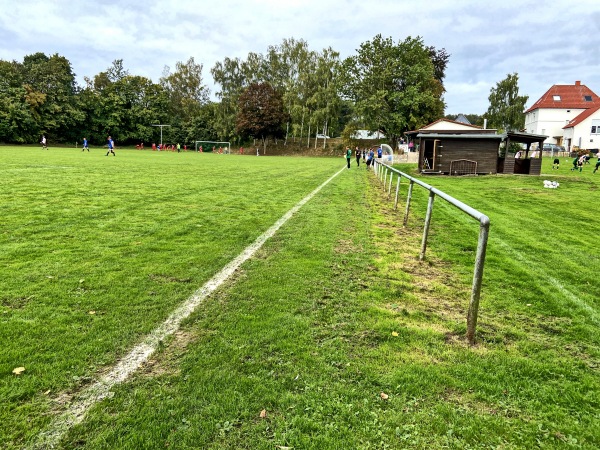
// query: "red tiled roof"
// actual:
[[581, 117], [571, 96]]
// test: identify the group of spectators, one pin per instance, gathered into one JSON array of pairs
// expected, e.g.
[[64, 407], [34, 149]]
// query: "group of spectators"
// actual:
[[367, 155]]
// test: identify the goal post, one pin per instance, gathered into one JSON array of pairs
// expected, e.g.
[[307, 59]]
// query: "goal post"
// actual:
[[225, 146]]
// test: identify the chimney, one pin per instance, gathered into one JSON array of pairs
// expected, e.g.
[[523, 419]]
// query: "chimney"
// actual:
[[578, 83]]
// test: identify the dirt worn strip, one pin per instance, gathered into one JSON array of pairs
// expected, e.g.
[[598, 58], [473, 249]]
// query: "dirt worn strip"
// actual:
[[84, 400]]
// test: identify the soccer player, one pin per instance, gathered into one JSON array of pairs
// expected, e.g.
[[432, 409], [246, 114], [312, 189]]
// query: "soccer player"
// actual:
[[580, 162], [556, 163], [85, 145], [111, 146], [44, 143]]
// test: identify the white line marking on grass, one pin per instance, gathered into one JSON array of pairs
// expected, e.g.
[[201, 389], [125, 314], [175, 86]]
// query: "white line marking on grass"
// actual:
[[577, 301], [131, 362], [592, 313]]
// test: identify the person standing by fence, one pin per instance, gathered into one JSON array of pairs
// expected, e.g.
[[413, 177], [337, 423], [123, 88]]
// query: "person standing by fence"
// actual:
[[348, 156], [370, 157], [357, 157]]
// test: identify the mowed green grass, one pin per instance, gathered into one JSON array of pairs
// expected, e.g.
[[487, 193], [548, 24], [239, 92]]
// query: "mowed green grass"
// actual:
[[332, 313], [97, 251]]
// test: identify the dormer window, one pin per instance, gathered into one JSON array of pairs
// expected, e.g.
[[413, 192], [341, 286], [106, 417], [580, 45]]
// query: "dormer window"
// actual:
[[587, 98], [556, 98]]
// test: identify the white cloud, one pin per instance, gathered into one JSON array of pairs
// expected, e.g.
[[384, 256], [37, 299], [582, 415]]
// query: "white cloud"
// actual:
[[545, 42]]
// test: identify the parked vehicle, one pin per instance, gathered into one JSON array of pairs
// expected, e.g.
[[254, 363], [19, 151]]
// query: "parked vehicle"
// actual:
[[322, 136], [553, 147]]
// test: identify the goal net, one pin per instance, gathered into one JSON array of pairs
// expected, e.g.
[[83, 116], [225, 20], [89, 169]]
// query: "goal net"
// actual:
[[214, 147]]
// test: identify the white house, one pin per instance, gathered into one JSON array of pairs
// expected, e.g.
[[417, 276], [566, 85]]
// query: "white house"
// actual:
[[557, 108], [583, 131], [367, 134]]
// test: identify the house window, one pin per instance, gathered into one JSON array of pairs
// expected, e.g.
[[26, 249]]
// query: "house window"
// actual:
[[596, 126], [587, 98], [556, 98]]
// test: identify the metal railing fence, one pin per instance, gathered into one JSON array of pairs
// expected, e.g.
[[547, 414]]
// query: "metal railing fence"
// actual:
[[383, 171]]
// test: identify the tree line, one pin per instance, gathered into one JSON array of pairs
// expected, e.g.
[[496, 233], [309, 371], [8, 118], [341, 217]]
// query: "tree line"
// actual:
[[290, 92]]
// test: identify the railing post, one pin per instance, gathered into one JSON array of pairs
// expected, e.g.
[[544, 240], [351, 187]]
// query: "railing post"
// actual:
[[397, 191], [426, 227], [390, 186], [484, 229], [385, 173], [408, 198]]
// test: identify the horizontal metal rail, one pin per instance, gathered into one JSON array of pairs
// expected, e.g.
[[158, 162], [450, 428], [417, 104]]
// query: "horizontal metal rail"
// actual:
[[382, 171]]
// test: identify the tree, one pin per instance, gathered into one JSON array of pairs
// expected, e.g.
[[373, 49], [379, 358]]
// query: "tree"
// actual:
[[186, 89], [439, 58], [18, 105], [395, 87], [325, 101], [51, 92], [474, 119], [123, 106], [261, 113], [232, 75], [507, 107]]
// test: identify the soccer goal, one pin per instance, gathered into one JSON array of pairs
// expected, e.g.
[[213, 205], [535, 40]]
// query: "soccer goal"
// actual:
[[214, 146]]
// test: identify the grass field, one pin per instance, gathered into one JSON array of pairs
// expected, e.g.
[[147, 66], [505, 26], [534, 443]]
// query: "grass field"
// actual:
[[333, 314]]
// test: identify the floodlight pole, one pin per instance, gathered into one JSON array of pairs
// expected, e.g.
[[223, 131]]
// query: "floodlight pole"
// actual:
[[161, 127]]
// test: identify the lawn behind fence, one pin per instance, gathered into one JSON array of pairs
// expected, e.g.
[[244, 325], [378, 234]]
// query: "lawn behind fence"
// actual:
[[333, 336]]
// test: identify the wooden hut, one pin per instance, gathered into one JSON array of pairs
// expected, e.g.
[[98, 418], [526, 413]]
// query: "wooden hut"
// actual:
[[451, 147], [454, 148]]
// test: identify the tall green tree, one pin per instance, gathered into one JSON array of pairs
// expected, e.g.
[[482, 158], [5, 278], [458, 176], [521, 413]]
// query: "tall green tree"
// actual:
[[507, 108], [233, 77], [187, 95], [18, 106], [123, 106], [261, 113], [282, 68], [51, 90], [186, 89], [395, 86]]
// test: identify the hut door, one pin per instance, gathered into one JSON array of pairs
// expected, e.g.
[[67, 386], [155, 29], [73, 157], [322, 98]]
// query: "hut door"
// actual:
[[436, 149]]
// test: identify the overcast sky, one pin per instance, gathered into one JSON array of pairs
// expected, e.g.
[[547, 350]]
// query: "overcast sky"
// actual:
[[545, 42]]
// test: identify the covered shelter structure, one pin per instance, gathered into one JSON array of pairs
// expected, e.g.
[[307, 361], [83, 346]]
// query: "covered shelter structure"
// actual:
[[525, 161]]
